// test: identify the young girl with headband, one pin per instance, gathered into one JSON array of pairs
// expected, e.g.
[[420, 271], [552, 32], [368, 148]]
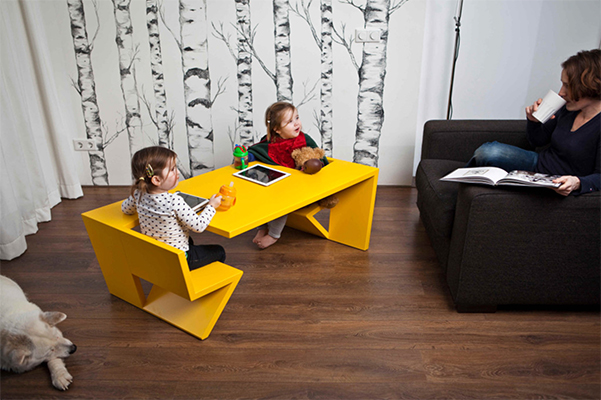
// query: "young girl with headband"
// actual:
[[284, 134], [166, 216]]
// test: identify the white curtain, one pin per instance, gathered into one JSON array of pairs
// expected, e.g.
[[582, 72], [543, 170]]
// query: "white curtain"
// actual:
[[36, 126]]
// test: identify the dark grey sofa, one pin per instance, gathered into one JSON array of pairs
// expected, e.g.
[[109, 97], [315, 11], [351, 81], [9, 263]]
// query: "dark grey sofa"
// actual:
[[505, 245]]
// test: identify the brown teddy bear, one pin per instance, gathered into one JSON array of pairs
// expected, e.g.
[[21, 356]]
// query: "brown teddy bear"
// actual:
[[308, 160]]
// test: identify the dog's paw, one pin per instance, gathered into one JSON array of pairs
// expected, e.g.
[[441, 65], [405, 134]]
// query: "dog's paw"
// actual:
[[62, 380]]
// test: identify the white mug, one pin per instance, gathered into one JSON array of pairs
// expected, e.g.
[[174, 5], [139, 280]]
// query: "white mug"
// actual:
[[552, 102]]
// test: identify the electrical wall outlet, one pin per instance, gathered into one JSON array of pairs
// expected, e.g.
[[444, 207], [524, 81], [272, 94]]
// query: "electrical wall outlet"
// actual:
[[367, 35], [84, 144]]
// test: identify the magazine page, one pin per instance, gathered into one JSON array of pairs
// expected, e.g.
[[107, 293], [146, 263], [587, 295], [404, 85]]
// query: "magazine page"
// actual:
[[528, 178], [485, 175]]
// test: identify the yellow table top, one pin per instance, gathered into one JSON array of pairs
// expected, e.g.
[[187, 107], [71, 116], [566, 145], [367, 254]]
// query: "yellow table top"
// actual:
[[257, 204]]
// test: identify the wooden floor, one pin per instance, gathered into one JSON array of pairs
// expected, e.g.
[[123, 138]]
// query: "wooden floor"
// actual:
[[310, 319]]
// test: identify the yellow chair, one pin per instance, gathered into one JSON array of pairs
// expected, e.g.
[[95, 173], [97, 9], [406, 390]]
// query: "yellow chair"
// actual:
[[189, 300]]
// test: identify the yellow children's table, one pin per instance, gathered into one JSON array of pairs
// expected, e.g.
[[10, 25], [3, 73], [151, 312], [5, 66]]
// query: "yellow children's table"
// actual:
[[194, 300], [350, 220]]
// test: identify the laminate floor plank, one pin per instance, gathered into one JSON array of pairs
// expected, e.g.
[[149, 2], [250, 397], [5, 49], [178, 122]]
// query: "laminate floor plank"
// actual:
[[516, 365]]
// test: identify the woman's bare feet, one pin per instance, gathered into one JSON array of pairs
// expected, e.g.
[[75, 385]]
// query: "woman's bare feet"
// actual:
[[259, 235], [266, 241]]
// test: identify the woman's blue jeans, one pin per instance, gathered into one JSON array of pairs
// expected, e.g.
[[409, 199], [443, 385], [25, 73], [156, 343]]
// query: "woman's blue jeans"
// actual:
[[505, 156]]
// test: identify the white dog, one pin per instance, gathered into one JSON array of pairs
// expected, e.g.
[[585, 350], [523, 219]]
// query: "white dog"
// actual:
[[28, 336]]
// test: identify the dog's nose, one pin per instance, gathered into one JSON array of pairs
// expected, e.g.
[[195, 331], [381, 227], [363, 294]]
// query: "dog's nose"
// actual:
[[72, 349]]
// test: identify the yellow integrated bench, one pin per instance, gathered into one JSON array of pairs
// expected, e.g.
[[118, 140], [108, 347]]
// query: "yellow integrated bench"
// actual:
[[189, 300]]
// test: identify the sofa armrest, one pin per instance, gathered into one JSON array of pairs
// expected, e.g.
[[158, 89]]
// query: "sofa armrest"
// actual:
[[524, 246], [457, 139]]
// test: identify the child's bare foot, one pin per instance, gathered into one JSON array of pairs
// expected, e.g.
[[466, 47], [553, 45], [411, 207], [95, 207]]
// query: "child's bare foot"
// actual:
[[266, 241], [259, 235]]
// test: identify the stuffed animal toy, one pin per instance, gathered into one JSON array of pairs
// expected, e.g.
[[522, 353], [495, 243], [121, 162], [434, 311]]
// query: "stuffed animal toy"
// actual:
[[329, 202], [308, 160]]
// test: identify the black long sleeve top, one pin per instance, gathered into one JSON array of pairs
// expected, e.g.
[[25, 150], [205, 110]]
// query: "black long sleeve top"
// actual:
[[569, 153]]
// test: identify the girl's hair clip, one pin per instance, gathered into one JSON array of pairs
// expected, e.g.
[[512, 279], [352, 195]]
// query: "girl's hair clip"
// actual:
[[149, 171]]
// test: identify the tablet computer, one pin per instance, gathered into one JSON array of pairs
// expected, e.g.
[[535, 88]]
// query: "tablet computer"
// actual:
[[261, 174], [196, 203]]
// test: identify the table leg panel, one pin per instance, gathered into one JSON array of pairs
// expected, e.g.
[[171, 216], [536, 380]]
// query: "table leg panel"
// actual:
[[351, 219]]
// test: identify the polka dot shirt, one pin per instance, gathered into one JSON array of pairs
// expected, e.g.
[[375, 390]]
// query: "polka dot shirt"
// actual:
[[167, 217]]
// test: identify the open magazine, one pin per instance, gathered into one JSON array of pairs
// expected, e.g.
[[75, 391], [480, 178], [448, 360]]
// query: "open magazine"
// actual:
[[496, 176]]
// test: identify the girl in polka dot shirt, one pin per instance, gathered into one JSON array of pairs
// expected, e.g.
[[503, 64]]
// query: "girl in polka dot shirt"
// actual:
[[166, 216]]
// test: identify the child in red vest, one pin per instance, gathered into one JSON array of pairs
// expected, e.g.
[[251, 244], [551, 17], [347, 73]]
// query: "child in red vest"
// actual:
[[284, 134]]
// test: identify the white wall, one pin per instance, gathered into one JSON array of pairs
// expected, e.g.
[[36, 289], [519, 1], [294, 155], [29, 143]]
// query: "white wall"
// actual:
[[510, 54]]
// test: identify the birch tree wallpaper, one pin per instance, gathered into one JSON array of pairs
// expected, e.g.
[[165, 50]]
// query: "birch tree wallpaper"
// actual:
[[197, 75]]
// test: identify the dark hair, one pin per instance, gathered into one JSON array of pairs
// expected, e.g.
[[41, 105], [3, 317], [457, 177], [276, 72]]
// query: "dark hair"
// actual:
[[148, 162], [274, 115], [584, 75]]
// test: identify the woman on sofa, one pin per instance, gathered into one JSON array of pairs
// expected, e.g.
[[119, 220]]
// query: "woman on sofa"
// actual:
[[572, 134]]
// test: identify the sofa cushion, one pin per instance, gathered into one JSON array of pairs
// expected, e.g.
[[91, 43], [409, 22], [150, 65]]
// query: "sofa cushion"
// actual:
[[457, 139], [436, 201]]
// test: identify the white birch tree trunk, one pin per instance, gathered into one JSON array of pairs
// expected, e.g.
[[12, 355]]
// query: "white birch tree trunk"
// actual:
[[327, 68], [197, 85], [370, 111], [283, 66], [156, 66], [87, 91], [129, 89], [245, 94]]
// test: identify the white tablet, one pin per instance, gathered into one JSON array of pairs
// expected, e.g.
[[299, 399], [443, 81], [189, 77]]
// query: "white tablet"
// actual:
[[196, 203], [261, 174]]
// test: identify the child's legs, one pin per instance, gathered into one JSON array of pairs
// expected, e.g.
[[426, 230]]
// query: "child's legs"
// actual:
[[277, 226], [263, 227], [504, 156], [204, 254]]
